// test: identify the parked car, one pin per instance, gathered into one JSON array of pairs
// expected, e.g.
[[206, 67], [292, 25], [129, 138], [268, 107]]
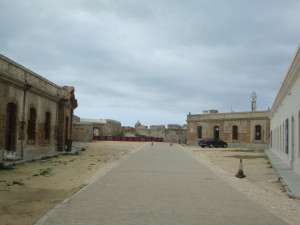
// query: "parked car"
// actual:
[[212, 143]]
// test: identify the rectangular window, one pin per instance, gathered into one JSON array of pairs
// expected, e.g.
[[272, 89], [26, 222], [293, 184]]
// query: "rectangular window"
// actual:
[[235, 133], [286, 136]]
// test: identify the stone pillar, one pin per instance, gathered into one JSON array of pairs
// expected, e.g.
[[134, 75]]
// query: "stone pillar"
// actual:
[[61, 126]]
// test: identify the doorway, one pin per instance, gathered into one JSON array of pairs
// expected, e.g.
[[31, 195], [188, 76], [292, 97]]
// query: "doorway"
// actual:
[[216, 132], [11, 127]]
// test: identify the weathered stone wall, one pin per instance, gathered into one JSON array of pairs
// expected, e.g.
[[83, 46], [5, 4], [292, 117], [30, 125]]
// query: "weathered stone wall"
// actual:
[[175, 135], [83, 132], [142, 131], [157, 131], [128, 131], [112, 128], [24, 90]]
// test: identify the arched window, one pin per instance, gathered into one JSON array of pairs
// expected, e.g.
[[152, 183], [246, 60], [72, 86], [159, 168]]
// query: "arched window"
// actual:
[[199, 131], [235, 132], [31, 129], [258, 132], [11, 127], [47, 126]]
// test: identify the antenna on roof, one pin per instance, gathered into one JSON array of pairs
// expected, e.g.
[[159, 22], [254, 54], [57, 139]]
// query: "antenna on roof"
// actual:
[[253, 101]]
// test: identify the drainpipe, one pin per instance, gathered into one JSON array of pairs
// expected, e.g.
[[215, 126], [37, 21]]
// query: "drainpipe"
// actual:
[[27, 87]]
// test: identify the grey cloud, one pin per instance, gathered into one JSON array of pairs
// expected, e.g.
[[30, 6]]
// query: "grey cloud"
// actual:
[[163, 57]]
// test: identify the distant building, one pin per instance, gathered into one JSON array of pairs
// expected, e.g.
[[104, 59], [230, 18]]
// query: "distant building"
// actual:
[[173, 133], [285, 118], [238, 129], [35, 114], [91, 129]]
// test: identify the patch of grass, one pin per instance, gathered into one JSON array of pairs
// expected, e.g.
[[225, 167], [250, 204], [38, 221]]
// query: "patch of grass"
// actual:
[[49, 157], [248, 156], [45, 172], [4, 167], [17, 182]]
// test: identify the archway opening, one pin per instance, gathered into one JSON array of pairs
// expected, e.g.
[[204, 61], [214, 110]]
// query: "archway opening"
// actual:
[[11, 127], [216, 132]]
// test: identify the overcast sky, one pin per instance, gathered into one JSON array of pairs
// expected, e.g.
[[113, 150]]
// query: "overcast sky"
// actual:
[[155, 60]]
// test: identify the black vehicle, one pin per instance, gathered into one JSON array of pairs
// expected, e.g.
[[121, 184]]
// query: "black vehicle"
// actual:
[[212, 143]]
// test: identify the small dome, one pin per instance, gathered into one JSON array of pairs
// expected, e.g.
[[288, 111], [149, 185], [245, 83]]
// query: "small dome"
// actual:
[[137, 124]]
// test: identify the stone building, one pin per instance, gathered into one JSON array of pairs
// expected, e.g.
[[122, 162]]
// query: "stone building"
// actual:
[[238, 129], [285, 118], [92, 129], [172, 133], [35, 114]]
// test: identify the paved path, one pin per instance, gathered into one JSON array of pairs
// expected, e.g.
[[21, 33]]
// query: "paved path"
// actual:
[[157, 185], [289, 179]]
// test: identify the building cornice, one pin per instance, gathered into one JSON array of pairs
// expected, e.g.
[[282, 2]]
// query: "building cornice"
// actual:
[[228, 116], [28, 87], [290, 78], [20, 77]]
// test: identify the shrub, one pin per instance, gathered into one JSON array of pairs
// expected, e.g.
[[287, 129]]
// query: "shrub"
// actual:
[[17, 182]]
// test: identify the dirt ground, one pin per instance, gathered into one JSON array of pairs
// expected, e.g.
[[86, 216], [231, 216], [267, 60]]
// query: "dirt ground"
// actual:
[[30, 190]]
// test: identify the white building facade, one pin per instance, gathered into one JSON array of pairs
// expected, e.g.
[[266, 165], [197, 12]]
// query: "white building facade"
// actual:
[[285, 118]]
